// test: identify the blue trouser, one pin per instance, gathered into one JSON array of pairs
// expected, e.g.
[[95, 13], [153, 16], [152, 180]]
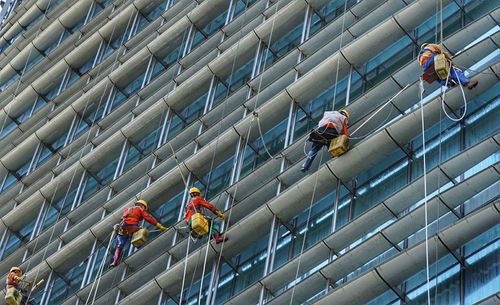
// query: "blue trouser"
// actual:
[[455, 74], [316, 147], [328, 134], [122, 240]]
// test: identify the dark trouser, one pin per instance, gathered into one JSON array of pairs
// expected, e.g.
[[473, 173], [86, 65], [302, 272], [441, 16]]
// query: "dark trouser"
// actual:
[[319, 137]]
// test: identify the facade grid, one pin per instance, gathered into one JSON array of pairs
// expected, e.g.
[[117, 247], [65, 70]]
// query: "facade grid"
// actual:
[[106, 102]]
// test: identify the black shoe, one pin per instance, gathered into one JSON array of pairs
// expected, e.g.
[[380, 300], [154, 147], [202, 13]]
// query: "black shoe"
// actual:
[[303, 169]]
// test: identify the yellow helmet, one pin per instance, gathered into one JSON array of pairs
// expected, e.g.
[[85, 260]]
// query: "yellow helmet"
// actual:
[[194, 190], [344, 112], [143, 202], [15, 269]]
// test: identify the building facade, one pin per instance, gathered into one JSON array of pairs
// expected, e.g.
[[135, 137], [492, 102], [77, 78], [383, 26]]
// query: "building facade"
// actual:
[[106, 102]]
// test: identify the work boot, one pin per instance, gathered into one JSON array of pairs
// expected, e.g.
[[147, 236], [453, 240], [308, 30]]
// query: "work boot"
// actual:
[[116, 258], [472, 84], [219, 238]]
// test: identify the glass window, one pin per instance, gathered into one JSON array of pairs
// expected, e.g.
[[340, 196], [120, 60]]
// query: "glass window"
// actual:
[[15, 37], [135, 84], [219, 177], [483, 275], [380, 181], [12, 244], [37, 104], [16, 238], [91, 186], [8, 126], [106, 173], [157, 11], [216, 24], [280, 46], [43, 154], [191, 293], [255, 153], [66, 284], [138, 151], [12, 79], [320, 224], [117, 98], [168, 212], [482, 117], [242, 270], [426, 32], [97, 7], [327, 13], [23, 169], [58, 208], [38, 57], [240, 6], [8, 181], [34, 21], [388, 61]]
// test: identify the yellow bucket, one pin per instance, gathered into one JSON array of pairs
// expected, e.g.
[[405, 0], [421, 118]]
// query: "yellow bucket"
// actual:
[[10, 297], [339, 146], [199, 224], [441, 66], [140, 237]]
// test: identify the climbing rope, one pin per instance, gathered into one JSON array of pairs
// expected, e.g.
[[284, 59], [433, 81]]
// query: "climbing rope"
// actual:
[[306, 230], [233, 66], [339, 55], [443, 94], [7, 116], [378, 110], [81, 154], [425, 194], [100, 270]]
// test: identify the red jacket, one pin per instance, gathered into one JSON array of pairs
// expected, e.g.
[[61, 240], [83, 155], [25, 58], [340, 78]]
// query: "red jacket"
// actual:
[[134, 215], [12, 280], [195, 205]]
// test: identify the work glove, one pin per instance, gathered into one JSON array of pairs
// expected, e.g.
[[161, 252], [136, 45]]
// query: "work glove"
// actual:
[[219, 214], [161, 227]]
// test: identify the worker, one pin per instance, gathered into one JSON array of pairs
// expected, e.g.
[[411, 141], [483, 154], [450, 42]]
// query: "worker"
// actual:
[[194, 206], [426, 60], [333, 124], [130, 224], [14, 289]]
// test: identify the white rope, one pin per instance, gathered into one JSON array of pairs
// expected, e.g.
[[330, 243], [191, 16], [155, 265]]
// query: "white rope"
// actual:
[[306, 230], [233, 66], [339, 55], [99, 273], [81, 154], [25, 64], [425, 194], [444, 94], [382, 107], [184, 272]]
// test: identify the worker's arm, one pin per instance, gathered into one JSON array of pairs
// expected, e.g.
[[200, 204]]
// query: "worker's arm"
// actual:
[[149, 218], [207, 205], [345, 131]]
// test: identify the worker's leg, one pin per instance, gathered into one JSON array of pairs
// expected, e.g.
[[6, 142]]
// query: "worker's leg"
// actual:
[[457, 75], [215, 232], [121, 241], [315, 148]]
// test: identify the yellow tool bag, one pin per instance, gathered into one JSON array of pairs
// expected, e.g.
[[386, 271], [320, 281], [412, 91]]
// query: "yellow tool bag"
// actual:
[[199, 224], [441, 66], [10, 297], [339, 146], [140, 237]]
